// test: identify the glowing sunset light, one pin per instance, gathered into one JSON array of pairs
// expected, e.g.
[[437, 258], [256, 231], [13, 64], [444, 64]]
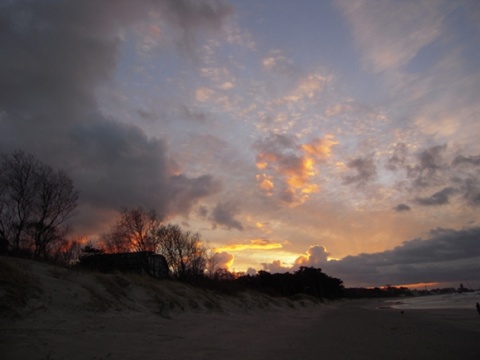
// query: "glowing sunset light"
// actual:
[[353, 129], [253, 245], [420, 286]]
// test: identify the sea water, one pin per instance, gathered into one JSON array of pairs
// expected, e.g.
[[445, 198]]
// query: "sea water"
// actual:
[[465, 300]]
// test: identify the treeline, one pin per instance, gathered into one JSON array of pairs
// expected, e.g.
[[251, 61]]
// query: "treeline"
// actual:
[[307, 280], [377, 292]]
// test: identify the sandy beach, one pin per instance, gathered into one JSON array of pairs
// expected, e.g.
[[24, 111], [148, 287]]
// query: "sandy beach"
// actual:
[[61, 323]]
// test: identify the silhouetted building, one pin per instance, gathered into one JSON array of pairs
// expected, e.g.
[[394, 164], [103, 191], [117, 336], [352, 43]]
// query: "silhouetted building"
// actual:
[[136, 262]]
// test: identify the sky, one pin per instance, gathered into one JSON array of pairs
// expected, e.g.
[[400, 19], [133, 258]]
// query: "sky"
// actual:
[[336, 134]]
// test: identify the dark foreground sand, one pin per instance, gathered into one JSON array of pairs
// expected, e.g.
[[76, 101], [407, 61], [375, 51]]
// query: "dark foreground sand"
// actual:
[[75, 315], [353, 330]]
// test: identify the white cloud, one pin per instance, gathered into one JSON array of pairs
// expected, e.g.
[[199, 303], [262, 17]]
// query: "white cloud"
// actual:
[[391, 33]]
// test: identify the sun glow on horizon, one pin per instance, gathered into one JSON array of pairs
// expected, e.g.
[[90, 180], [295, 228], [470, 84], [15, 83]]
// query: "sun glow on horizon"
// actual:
[[417, 286]]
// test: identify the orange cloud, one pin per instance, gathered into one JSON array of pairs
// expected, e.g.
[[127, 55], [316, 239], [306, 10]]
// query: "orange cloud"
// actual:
[[295, 167], [263, 159], [265, 183], [320, 149]]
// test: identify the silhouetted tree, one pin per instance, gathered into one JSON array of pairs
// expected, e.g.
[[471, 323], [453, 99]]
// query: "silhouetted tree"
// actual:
[[67, 254], [183, 250], [36, 203], [136, 230], [222, 274], [316, 283]]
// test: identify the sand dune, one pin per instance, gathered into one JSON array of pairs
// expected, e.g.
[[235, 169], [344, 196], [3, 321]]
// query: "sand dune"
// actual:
[[55, 313]]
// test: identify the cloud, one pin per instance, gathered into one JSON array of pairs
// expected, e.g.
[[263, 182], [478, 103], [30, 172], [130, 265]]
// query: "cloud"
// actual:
[[192, 114], [224, 215], [56, 55], [316, 256], [282, 160], [402, 208], [184, 192], [306, 88], [467, 177], [471, 190], [429, 168], [365, 169], [467, 160], [398, 158], [391, 34], [277, 62], [439, 198], [276, 266], [222, 260], [191, 18], [431, 159], [446, 255]]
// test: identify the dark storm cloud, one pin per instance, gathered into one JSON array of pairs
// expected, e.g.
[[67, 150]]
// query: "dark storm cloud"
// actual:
[[365, 171], [446, 255], [224, 215], [439, 198], [402, 207], [54, 56]]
